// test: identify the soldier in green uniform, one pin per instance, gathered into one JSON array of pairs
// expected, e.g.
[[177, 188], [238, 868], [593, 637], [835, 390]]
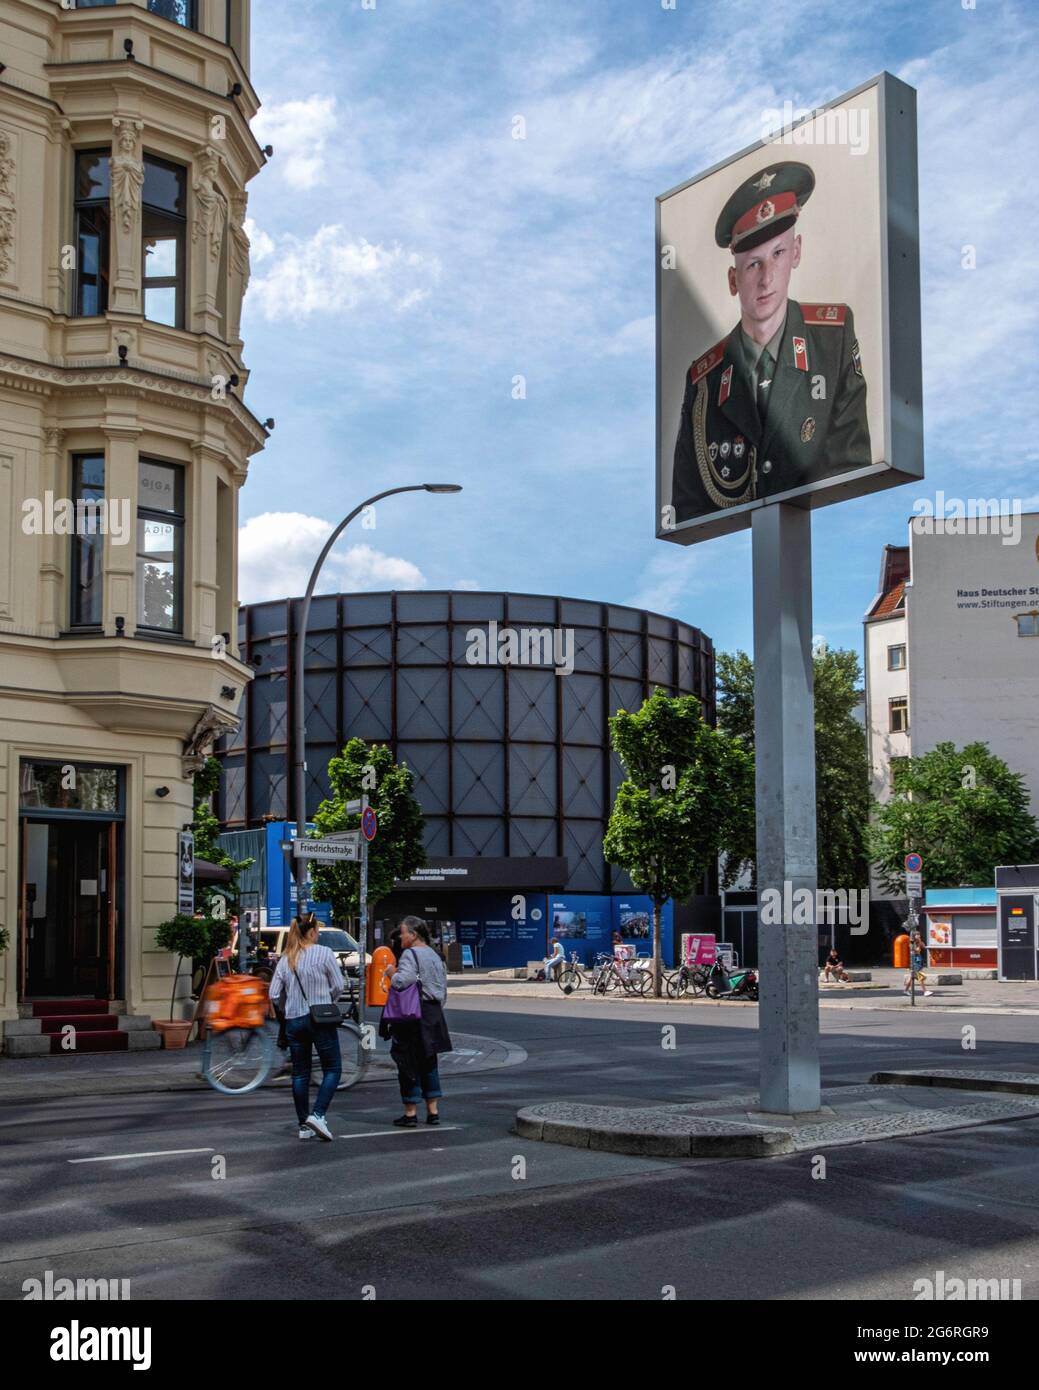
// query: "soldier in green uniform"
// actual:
[[780, 401]]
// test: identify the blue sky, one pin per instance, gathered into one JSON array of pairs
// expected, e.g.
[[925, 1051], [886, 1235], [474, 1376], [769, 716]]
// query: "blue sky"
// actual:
[[411, 258]]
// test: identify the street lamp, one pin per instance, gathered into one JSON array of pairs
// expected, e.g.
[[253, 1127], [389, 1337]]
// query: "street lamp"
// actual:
[[300, 723]]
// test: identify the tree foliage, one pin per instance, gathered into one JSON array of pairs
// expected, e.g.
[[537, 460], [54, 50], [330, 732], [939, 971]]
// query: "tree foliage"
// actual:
[[397, 850], [841, 756], [962, 809], [207, 829], [688, 792]]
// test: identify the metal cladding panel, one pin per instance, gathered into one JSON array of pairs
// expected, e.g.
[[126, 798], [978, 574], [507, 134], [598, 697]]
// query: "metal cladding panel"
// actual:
[[234, 808], [477, 608], [320, 650], [582, 710], [366, 704], [657, 626], [269, 786], [588, 649], [531, 608], [270, 656], [430, 764], [582, 782], [580, 614], [362, 609], [532, 836], [319, 693], [269, 710], [269, 619], [687, 670], [479, 778], [626, 655], [367, 646], [422, 645], [660, 661], [422, 703], [437, 836], [479, 835], [324, 613], [422, 608], [532, 779], [478, 701], [627, 619], [582, 845], [625, 695], [532, 704], [318, 786]]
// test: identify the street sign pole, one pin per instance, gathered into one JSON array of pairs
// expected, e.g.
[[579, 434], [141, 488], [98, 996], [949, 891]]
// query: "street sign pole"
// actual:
[[784, 749], [362, 954], [914, 890]]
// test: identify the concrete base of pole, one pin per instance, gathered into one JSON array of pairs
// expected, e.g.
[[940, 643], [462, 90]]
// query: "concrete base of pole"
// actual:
[[784, 744]]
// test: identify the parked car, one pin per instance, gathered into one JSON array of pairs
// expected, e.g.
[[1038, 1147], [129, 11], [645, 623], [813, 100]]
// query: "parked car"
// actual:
[[272, 943]]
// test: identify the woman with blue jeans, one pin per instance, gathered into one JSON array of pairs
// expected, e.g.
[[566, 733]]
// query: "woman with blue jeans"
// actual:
[[309, 974], [416, 1043]]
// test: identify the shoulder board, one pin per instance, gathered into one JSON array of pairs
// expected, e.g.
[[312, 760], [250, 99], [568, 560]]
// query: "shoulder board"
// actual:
[[825, 313], [710, 359]]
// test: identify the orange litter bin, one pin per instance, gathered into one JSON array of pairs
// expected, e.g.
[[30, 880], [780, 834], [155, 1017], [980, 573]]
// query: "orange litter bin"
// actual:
[[378, 990], [900, 952]]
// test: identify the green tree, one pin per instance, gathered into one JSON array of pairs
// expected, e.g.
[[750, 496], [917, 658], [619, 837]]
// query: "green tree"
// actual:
[[688, 792], [841, 757], [962, 809], [207, 829], [397, 850]]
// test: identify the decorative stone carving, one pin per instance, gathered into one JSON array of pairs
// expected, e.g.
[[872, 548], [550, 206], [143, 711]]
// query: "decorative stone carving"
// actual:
[[214, 724], [7, 202], [207, 170], [127, 172], [239, 267]]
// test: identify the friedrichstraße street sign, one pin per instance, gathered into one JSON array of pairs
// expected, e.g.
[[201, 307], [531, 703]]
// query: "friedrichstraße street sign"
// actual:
[[328, 851], [343, 837]]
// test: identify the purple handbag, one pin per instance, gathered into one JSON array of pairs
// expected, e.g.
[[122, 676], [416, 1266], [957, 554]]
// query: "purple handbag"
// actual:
[[403, 1004]]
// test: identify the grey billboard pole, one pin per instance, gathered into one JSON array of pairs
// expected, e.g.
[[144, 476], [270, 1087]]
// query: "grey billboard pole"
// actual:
[[784, 753]]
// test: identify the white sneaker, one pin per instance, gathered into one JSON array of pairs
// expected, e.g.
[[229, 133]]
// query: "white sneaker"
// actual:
[[928, 993], [305, 1133], [317, 1124]]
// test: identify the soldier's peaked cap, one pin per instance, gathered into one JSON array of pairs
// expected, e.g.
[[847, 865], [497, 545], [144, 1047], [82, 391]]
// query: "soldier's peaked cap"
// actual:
[[764, 205]]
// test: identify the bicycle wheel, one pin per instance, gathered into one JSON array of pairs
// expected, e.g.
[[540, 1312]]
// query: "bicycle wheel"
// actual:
[[698, 981], [677, 984], [237, 1060], [354, 1054], [570, 980]]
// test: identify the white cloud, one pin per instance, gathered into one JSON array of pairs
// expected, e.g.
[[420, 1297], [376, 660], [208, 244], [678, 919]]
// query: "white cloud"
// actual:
[[331, 272], [277, 550], [262, 245], [298, 130], [638, 336]]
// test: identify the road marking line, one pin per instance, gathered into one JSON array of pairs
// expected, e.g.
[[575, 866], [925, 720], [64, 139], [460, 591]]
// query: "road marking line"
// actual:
[[369, 1133], [156, 1153]]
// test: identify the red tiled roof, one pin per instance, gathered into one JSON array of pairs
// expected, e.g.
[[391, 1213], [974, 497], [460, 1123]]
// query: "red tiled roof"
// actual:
[[891, 602]]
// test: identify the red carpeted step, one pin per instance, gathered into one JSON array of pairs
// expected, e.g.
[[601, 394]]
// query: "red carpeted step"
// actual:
[[111, 1040], [44, 1008], [85, 1023]]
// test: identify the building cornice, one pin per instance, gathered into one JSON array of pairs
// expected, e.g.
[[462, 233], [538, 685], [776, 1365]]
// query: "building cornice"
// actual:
[[41, 378]]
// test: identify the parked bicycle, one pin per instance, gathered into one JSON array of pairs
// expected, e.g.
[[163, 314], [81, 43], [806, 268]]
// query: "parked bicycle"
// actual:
[[570, 977], [612, 974], [688, 978]]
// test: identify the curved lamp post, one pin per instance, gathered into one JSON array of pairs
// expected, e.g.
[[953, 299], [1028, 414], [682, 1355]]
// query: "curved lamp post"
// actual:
[[300, 723]]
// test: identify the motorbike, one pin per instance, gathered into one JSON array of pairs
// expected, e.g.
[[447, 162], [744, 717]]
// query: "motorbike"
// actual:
[[737, 984]]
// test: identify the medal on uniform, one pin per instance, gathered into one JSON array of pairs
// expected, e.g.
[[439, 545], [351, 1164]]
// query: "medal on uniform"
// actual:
[[856, 358], [724, 451], [726, 385], [724, 472], [712, 451], [800, 354], [807, 430], [739, 447]]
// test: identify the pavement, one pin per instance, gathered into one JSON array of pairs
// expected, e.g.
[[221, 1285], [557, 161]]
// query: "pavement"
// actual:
[[883, 992], [124, 1073], [893, 1105]]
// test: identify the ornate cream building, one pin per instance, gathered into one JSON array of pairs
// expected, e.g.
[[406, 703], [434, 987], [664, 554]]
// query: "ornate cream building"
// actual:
[[125, 151]]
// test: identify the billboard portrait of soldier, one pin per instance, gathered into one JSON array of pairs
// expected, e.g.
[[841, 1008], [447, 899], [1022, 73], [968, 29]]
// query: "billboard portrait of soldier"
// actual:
[[780, 401], [788, 319]]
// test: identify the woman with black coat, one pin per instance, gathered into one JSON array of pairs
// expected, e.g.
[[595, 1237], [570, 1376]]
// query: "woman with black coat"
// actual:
[[417, 1043]]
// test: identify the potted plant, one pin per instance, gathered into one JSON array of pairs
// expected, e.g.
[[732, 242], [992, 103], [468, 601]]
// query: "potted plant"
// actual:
[[185, 936]]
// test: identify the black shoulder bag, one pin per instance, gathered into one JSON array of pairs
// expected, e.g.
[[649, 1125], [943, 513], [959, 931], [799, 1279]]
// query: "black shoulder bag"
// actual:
[[321, 1015]]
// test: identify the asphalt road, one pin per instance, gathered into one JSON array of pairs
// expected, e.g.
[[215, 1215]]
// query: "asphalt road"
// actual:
[[469, 1211]]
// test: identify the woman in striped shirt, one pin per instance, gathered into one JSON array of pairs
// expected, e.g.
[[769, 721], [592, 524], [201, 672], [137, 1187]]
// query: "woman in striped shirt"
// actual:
[[309, 974]]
